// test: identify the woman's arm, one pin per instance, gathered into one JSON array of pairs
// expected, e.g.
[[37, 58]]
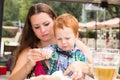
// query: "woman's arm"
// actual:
[[25, 63], [85, 49], [22, 67]]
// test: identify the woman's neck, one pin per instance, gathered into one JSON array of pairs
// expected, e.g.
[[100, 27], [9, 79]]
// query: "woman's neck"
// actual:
[[46, 43]]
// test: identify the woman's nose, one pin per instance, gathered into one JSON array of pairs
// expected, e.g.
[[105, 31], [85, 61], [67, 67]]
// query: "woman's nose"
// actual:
[[42, 29]]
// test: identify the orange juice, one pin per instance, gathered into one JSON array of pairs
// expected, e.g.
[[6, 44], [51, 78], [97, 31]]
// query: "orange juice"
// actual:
[[104, 73]]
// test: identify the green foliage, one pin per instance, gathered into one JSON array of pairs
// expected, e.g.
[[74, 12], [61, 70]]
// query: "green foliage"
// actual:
[[8, 23], [81, 34], [64, 7], [15, 10], [11, 10], [26, 4], [91, 34], [7, 33], [119, 70], [88, 34], [117, 35]]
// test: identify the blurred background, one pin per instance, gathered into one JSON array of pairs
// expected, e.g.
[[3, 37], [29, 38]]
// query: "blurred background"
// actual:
[[99, 24]]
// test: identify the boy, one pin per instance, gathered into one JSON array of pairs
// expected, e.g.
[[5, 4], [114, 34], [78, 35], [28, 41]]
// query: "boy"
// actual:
[[65, 52]]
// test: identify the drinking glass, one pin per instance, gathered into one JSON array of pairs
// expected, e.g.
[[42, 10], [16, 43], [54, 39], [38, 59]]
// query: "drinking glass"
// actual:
[[105, 64]]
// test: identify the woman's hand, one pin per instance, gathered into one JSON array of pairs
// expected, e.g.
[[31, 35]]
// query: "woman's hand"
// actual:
[[35, 55], [79, 70]]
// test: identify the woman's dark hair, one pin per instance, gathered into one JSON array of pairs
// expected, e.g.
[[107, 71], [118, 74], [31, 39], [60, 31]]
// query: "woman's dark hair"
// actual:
[[28, 39]]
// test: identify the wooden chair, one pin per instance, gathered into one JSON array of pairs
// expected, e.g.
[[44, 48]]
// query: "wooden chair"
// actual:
[[9, 48], [10, 56]]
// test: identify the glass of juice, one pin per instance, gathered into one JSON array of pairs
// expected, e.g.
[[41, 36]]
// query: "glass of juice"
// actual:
[[105, 64]]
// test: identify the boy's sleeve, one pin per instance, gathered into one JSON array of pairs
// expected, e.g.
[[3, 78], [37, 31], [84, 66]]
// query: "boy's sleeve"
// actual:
[[81, 56], [55, 54]]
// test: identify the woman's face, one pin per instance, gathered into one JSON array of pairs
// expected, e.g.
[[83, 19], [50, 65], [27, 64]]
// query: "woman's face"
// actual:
[[65, 38], [42, 25]]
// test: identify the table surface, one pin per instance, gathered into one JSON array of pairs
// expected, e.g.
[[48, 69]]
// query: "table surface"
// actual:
[[5, 77], [12, 44], [89, 78]]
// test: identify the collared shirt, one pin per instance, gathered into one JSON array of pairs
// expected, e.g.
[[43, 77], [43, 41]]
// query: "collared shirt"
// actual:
[[62, 59]]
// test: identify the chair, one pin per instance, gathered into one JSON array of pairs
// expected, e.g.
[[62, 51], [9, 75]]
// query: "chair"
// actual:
[[10, 46], [10, 57], [8, 49]]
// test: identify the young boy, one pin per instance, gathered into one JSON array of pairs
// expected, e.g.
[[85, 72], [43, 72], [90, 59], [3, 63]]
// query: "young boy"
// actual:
[[65, 51]]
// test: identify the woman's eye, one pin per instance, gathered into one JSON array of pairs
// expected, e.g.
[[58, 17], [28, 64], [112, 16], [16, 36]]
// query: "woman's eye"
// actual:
[[59, 39], [46, 24], [37, 27]]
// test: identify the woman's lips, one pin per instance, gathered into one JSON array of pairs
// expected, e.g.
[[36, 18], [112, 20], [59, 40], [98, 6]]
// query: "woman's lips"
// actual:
[[44, 35]]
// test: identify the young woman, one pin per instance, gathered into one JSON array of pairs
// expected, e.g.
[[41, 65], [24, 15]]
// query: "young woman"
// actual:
[[38, 33]]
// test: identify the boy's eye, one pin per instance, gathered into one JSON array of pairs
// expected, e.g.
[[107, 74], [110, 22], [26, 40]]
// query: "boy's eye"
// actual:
[[67, 38]]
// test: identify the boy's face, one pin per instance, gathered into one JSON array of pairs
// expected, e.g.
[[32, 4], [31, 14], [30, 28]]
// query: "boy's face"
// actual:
[[65, 38]]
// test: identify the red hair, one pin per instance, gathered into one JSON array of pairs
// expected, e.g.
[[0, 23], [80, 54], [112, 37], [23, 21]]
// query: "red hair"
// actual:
[[66, 20]]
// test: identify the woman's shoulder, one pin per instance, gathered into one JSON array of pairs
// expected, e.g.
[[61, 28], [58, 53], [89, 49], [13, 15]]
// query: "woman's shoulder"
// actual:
[[22, 58], [24, 53]]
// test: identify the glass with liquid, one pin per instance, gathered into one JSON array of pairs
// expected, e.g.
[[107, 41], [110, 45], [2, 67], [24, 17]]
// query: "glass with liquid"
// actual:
[[105, 64]]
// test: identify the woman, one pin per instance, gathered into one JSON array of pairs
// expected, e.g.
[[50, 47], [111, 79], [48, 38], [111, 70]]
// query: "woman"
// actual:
[[38, 33]]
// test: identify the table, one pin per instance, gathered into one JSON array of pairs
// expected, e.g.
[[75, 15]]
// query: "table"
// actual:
[[5, 77], [89, 78]]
